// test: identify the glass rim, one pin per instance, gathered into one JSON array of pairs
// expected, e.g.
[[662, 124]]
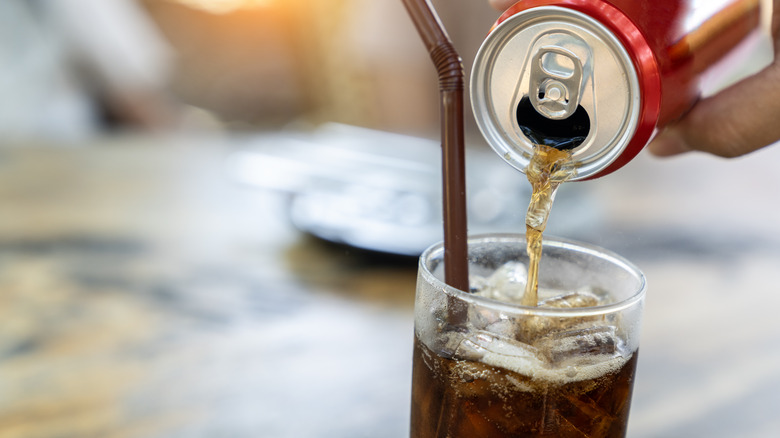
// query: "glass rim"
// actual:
[[437, 250]]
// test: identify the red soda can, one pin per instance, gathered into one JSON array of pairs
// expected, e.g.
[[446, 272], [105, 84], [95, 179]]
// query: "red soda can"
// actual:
[[600, 78]]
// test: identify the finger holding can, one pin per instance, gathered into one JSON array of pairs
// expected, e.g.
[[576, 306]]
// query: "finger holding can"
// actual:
[[738, 120]]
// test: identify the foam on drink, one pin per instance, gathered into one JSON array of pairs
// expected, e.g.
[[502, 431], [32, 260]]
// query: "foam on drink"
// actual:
[[538, 369]]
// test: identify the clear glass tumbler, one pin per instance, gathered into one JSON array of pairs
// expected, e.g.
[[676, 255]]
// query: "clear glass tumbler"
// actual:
[[485, 366]]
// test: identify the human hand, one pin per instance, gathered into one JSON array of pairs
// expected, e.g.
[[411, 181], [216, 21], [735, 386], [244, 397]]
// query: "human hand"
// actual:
[[738, 120]]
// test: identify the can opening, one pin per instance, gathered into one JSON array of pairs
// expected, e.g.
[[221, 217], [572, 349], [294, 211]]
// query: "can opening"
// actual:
[[561, 134]]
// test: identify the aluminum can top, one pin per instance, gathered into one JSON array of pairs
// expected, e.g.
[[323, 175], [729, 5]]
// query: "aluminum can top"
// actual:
[[553, 73]]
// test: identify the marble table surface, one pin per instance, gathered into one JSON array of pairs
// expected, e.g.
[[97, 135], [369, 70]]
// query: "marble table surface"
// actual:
[[145, 294]]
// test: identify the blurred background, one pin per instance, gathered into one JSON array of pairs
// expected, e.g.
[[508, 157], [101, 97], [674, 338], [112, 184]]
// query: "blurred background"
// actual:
[[210, 212], [248, 64]]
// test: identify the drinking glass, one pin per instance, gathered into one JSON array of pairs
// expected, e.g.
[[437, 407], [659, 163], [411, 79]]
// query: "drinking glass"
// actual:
[[485, 366]]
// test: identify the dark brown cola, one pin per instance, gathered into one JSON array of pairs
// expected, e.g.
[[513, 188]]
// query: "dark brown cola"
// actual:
[[465, 399]]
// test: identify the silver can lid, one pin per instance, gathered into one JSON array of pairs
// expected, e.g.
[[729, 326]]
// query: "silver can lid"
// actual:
[[572, 71]]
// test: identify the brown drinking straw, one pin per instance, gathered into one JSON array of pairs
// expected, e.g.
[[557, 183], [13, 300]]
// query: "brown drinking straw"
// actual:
[[450, 69]]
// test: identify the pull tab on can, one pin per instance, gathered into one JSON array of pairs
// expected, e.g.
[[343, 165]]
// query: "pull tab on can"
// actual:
[[556, 82]]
